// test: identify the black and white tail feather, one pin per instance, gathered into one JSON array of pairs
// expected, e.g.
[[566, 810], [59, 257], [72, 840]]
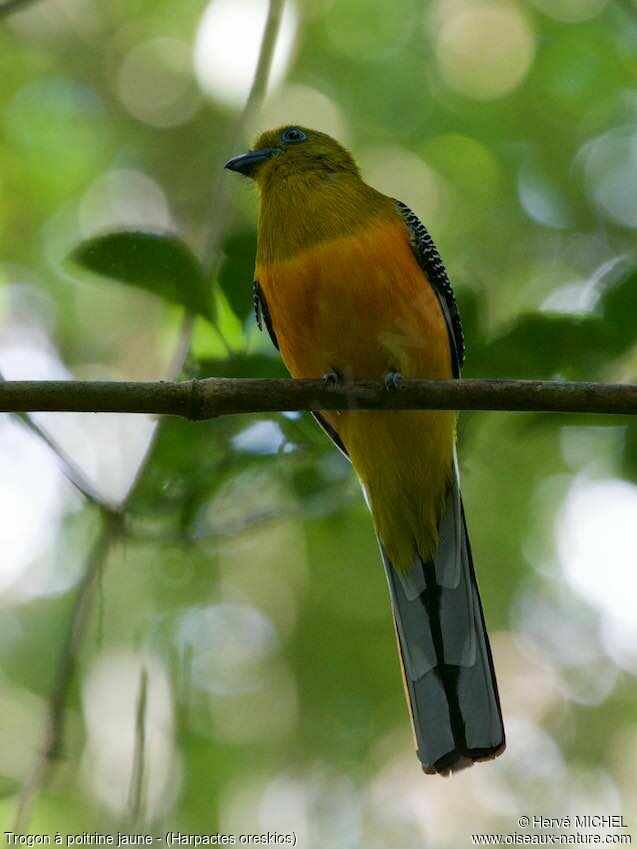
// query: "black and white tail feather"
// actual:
[[444, 650]]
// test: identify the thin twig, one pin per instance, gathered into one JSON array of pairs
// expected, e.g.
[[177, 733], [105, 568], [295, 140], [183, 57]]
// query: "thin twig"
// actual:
[[54, 724], [69, 467], [216, 396], [220, 211], [220, 198], [136, 793]]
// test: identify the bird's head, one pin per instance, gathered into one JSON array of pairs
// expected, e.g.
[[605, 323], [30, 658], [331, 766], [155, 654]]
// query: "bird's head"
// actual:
[[290, 151]]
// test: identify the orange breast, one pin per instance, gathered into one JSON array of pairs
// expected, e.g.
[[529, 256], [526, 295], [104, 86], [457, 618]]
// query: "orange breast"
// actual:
[[360, 305]]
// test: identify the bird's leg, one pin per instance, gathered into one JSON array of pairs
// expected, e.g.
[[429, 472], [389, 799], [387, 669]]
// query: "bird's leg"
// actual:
[[332, 378], [392, 380]]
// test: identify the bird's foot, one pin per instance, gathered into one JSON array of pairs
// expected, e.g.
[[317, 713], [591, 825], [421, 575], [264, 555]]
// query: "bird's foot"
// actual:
[[392, 380], [331, 378]]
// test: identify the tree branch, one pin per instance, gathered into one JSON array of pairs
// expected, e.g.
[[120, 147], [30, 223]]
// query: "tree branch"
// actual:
[[204, 399]]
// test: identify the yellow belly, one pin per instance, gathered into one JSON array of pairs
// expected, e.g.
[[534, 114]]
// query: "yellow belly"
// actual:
[[360, 305]]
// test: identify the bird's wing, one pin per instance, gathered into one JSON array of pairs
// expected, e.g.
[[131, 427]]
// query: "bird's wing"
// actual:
[[333, 435], [431, 263], [262, 315]]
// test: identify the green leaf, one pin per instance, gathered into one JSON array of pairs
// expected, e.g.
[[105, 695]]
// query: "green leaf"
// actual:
[[619, 304], [237, 272], [157, 262], [541, 345]]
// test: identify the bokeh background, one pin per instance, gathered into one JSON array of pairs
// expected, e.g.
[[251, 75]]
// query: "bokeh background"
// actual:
[[238, 670]]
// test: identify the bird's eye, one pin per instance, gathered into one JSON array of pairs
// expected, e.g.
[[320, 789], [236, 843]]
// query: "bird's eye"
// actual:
[[293, 135]]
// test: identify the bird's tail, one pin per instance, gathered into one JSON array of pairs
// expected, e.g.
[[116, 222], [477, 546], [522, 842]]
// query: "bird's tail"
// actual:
[[445, 654]]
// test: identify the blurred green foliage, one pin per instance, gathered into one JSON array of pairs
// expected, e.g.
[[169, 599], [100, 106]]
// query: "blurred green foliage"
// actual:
[[247, 580], [160, 263]]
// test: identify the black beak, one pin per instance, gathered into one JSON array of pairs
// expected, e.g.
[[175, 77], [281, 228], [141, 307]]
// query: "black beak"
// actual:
[[246, 163]]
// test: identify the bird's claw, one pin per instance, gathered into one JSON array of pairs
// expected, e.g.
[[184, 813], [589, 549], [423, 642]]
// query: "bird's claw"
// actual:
[[331, 378], [392, 380]]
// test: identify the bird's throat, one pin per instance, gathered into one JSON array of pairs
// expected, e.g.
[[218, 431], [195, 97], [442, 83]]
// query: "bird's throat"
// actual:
[[306, 209]]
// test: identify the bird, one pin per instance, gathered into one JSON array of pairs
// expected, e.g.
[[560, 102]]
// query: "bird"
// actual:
[[349, 285]]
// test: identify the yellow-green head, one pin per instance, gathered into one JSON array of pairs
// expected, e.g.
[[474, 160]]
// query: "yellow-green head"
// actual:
[[310, 190], [292, 150]]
